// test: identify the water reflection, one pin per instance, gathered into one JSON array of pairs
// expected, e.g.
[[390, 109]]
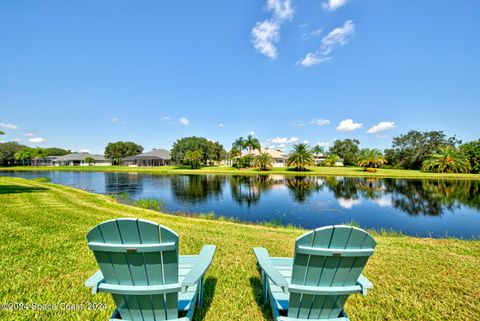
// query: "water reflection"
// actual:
[[302, 187], [414, 197], [418, 207], [247, 190], [196, 188], [124, 183]]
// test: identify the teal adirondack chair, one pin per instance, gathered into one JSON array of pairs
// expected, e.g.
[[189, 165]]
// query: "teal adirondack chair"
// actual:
[[140, 267], [325, 270]]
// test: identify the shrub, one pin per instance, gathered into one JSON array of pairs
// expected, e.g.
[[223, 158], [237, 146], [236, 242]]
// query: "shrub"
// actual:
[[263, 161], [331, 160], [447, 160], [243, 162]]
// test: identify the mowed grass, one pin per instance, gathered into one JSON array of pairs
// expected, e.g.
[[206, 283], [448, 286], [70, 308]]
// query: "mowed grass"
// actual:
[[45, 260], [320, 171]]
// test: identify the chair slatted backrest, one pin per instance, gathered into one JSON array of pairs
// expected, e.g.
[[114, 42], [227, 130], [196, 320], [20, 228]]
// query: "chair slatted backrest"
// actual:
[[315, 268], [139, 268]]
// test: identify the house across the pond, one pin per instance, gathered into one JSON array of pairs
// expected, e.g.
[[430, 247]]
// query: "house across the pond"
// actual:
[[279, 157], [157, 157], [78, 159]]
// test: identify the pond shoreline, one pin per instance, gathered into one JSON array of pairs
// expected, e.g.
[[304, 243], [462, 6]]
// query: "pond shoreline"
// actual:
[[418, 207], [228, 170], [47, 223]]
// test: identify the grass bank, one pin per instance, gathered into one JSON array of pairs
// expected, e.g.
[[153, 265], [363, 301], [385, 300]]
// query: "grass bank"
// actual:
[[45, 259], [320, 171]]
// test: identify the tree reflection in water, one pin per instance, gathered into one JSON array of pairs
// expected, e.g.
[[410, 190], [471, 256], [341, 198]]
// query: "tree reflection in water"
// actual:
[[302, 187], [414, 197], [196, 188], [248, 189]]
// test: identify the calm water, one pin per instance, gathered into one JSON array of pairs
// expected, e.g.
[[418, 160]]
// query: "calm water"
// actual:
[[435, 208]]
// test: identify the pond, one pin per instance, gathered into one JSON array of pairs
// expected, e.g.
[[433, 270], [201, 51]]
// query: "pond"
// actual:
[[437, 208]]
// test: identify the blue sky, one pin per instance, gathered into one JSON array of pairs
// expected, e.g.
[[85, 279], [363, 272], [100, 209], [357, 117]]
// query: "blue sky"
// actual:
[[78, 74]]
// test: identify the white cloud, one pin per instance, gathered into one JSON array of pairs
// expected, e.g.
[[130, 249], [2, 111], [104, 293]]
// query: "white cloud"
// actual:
[[383, 201], [331, 5], [220, 125], [315, 121], [314, 33], [337, 37], [347, 202], [306, 142], [313, 59], [283, 140], [348, 125], [382, 126], [84, 150], [9, 126], [266, 33], [28, 134], [37, 140], [282, 9], [325, 144], [114, 119], [184, 121], [17, 139], [251, 133], [166, 118]]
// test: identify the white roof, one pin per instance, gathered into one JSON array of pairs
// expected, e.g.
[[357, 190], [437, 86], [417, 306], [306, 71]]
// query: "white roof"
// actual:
[[272, 152]]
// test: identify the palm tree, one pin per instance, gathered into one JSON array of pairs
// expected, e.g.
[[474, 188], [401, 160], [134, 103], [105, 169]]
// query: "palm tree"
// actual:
[[301, 156], [263, 161], [239, 144], [234, 153], [449, 160], [194, 158], [371, 158], [252, 143], [317, 150], [2, 133], [331, 160]]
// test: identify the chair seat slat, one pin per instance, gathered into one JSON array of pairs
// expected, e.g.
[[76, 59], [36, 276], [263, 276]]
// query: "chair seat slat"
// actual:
[[139, 289]]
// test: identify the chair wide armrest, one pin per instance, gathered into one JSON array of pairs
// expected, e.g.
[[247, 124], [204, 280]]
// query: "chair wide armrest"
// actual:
[[203, 262], [265, 263], [364, 283], [94, 281]]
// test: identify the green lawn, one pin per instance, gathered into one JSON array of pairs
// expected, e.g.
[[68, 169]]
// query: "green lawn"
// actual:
[[45, 259], [324, 171]]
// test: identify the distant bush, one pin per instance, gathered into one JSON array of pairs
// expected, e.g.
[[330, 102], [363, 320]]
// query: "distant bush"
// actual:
[[370, 170], [243, 162], [331, 160], [471, 150]]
